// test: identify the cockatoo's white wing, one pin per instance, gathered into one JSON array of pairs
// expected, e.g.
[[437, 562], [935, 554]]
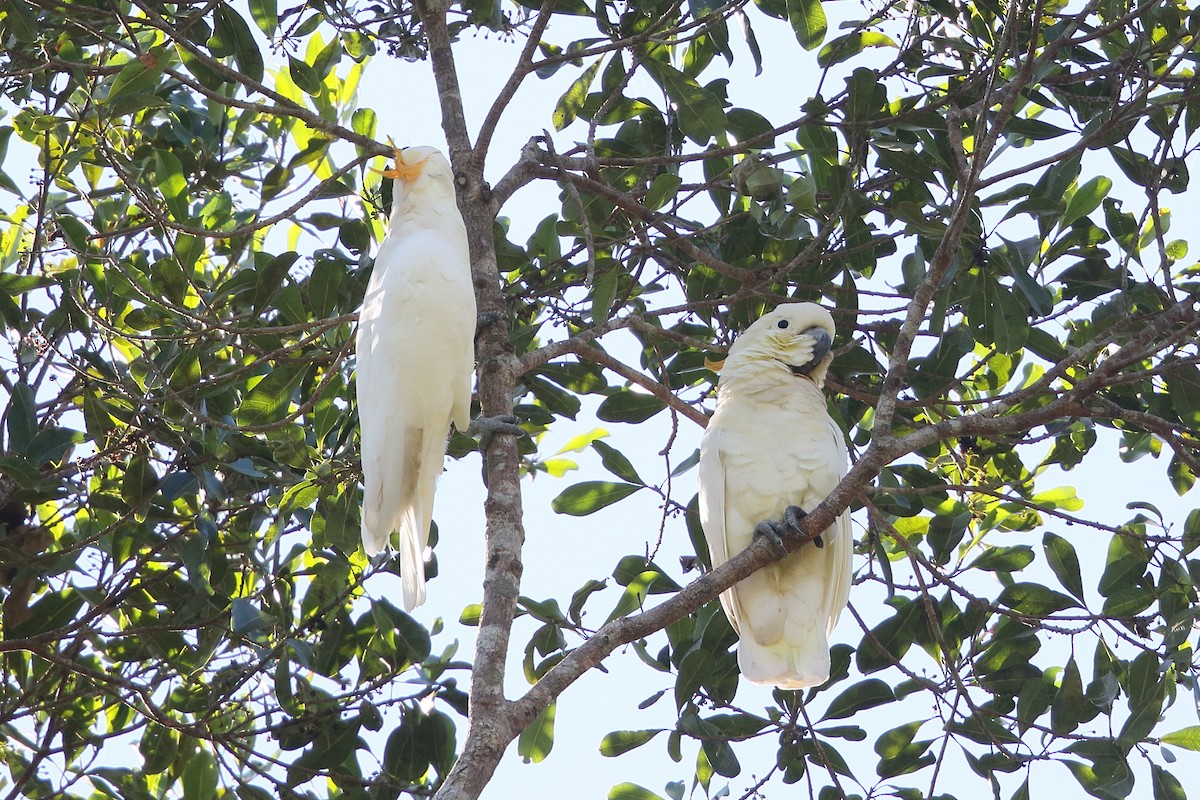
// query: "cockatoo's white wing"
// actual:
[[415, 359], [769, 445]]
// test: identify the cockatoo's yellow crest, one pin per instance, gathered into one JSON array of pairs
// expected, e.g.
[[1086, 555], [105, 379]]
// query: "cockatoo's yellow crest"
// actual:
[[769, 445], [405, 169]]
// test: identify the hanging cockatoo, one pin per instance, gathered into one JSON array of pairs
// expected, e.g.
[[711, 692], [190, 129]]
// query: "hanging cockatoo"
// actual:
[[769, 452], [416, 356]]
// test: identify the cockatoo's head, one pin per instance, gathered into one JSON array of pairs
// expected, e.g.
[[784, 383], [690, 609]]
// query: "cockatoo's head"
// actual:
[[421, 175], [795, 337]]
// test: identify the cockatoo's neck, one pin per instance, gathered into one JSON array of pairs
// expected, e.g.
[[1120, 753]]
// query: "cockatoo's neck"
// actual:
[[423, 205], [766, 377], [755, 362]]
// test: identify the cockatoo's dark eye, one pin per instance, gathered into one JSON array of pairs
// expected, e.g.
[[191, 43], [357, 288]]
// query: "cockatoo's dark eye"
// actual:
[[783, 323]]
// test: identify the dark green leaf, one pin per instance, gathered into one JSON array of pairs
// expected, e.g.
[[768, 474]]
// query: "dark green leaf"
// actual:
[[235, 35], [615, 462], [1070, 706], [701, 113], [888, 641], [1034, 599], [270, 398], [1166, 786], [591, 496], [266, 15], [862, 695], [1060, 554], [618, 742], [158, 747], [626, 405], [1085, 200], [1125, 565], [21, 421], [200, 777], [305, 76], [1004, 559]]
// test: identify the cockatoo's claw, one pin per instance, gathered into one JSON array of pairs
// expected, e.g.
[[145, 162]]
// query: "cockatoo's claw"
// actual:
[[486, 319], [689, 563], [792, 516], [775, 529], [772, 530], [487, 427], [818, 541]]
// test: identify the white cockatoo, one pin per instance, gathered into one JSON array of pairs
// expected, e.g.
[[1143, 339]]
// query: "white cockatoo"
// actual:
[[770, 451], [416, 355]]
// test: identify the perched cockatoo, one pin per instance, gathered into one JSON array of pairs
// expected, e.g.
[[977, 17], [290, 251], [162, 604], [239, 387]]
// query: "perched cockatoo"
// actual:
[[771, 451], [416, 355]]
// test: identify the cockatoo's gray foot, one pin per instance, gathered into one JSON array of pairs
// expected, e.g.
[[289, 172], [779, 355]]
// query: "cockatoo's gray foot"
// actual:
[[775, 529], [487, 427], [486, 319]]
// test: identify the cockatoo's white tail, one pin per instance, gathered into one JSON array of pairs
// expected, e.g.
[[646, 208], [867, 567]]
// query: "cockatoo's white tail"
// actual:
[[415, 360], [771, 444]]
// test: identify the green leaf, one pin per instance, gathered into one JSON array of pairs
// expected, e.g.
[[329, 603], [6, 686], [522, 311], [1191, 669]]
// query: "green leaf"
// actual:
[[1087, 198], [270, 398], [235, 37], [22, 418], [588, 497], [615, 462], [1188, 738], [1144, 684], [569, 105], [140, 76], [633, 568], [245, 618], [537, 740], [265, 14], [604, 292], [1060, 555], [158, 746], [1125, 565], [626, 405], [631, 791], [1166, 786], [139, 482], [305, 77], [618, 742], [662, 188], [401, 754], [701, 113], [1070, 706], [200, 777], [324, 286], [363, 121], [808, 22], [1034, 599], [862, 695], [471, 615], [21, 19], [1004, 559], [168, 174], [888, 641], [846, 47], [722, 758]]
